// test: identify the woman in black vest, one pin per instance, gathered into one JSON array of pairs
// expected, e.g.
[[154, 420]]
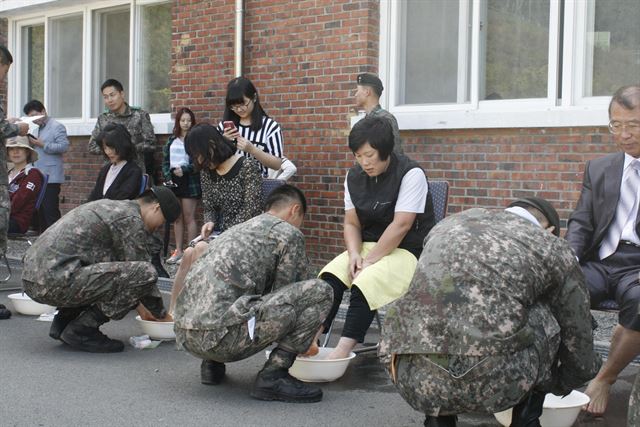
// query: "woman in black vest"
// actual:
[[388, 213]]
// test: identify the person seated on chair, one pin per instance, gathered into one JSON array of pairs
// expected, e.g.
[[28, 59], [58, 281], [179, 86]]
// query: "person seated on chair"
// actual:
[[94, 265], [25, 183], [388, 212], [251, 289], [231, 190], [496, 316], [120, 178], [604, 234]]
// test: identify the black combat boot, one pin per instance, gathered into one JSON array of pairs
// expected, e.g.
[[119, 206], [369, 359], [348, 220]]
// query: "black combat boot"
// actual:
[[274, 382], [62, 319], [441, 421], [157, 263], [211, 372], [528, 412], [5, 313], [83, 333]]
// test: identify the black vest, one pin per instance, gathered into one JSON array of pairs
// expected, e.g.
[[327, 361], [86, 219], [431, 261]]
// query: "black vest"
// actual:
[[375, 200]]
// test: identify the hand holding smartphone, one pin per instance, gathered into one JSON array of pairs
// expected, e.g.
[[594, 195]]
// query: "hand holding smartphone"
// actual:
[[228, 125]]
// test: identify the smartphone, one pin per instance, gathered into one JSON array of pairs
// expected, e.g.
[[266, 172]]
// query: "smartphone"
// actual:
[[228, 124]]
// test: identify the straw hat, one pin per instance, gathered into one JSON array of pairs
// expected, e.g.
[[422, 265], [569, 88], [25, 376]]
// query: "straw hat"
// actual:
[[23, 142]]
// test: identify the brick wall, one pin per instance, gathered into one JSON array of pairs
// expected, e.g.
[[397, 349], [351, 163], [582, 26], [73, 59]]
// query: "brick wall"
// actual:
[[303, 57]]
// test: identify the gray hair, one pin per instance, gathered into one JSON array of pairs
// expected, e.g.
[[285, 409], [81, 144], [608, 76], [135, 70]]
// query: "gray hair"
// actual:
[[628, 97]]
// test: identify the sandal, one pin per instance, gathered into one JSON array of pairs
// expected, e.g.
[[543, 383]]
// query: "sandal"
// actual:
[[174, 258]]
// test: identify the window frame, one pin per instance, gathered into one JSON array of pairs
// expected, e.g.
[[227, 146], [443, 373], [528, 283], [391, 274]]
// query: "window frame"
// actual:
[[82, 126], [572, 110]]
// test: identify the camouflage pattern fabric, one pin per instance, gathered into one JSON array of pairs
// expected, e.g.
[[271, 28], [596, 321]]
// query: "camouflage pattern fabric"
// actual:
[[7, 130], [95, 254], [249, 271], [451, 384], [290, 316], [633, 417], [478, 280], [137, 122], [378, 111]]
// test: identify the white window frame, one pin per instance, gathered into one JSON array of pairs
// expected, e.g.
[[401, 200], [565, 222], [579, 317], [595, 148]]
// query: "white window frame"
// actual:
[[29, 15], [573, 110]]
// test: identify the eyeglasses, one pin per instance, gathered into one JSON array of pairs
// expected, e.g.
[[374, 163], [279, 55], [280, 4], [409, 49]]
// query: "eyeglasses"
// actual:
[[617, 128], [241, 106]]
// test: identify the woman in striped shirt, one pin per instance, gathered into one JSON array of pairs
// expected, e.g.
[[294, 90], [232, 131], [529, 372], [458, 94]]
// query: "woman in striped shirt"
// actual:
[[255, 133]]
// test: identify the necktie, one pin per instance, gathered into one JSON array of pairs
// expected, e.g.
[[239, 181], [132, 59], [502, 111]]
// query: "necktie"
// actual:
[[628, 193]]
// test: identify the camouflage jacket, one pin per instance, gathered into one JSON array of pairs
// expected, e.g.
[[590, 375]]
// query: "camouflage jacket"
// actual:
[[247, 261], [101, 231], [137, 122], [7, 130], [478, 276], [378, 111]]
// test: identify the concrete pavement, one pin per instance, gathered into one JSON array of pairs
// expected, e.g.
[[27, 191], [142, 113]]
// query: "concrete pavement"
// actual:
[[44, 383]]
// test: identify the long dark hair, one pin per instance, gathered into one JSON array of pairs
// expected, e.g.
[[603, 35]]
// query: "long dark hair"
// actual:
[[206, 142], [176, 125], [237, 89]]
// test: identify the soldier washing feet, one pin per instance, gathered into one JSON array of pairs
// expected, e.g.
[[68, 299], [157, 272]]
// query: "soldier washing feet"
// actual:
[[93, 264]]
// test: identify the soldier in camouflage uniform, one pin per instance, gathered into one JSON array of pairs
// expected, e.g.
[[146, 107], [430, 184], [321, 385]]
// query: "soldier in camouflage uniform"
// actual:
[[93, 264], [367, 97], [249, 290], [7, 130], [136, 120], [496, 316]]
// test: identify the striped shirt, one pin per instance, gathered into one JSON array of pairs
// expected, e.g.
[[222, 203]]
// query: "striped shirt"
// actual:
[[268, 139]]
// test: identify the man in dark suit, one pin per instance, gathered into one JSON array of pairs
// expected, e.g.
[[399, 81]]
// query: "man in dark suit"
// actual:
[[604, 232]]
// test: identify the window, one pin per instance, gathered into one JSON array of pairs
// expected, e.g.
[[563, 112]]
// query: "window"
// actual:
[[506, 63], [65, 66], [69, 48], [32, 54], [110, 52]]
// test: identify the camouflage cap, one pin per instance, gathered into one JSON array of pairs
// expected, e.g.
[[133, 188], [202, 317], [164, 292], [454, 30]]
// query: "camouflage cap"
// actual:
[[543, 206], [169, 203]]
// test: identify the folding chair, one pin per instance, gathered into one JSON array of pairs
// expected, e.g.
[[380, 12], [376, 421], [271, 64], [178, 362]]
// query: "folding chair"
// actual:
[[440, 199]]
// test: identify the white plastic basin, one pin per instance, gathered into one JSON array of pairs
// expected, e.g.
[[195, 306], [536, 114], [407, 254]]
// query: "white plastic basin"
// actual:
[[25, 305], [157, 330], [316, 369], [557, 411]]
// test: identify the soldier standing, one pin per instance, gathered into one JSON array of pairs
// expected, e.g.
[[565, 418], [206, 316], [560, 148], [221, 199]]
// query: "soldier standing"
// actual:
[[496, 316], [249, 290], [93, 264], [136, 120]]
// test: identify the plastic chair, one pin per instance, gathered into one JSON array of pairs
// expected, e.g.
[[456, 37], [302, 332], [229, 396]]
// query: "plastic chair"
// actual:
[[143, 183], [268, 185], [440, 199]]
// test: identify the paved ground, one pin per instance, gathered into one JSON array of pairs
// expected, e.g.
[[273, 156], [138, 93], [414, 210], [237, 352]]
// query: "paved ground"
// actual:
[[44, 383]]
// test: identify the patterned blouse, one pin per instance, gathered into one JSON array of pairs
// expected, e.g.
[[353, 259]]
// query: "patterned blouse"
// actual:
[[234, 197]]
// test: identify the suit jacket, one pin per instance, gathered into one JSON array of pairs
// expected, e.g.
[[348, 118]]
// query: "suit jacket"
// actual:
[[596, 208], [50, 160], [125, 186]]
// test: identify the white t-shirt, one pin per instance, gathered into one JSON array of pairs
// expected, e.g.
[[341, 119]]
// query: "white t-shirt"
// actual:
[[412, 195], [177, 155]]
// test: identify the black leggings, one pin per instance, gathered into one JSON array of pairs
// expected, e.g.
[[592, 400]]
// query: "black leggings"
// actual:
[[359, 316]]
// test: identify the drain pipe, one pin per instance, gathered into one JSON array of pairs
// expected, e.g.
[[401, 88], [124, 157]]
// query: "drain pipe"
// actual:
[[238, 38]]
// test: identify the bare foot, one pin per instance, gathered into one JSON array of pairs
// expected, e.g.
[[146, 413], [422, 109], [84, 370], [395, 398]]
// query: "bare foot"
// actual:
[[312, 351], [343, 349], [598, 391]]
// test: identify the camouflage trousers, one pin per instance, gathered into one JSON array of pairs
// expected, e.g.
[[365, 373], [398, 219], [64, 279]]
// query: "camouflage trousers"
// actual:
[[5, 209], [290, 316], [449, 384], [113, 287], [633, 417]]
